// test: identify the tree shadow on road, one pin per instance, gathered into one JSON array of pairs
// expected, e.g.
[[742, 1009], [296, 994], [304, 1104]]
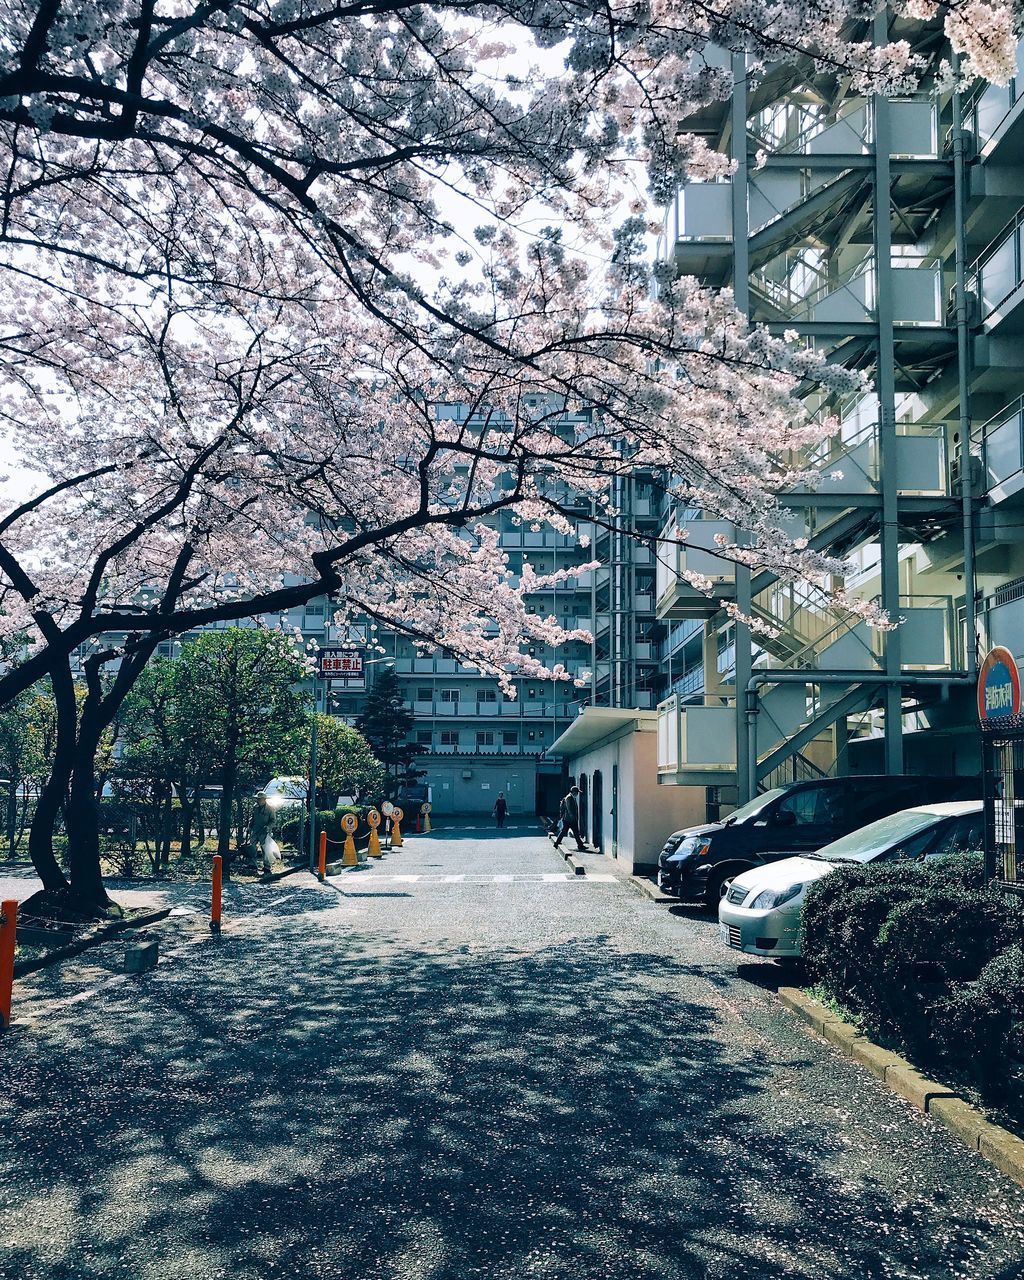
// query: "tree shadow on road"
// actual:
[[304, 1102]]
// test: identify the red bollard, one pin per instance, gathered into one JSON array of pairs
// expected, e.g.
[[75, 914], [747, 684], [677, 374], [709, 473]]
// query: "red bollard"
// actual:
[[323, 856], [417, 823], [218, 876], [8, 927]]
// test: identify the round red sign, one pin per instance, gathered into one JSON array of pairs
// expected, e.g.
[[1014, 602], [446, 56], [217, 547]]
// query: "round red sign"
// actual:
[[998, 686]]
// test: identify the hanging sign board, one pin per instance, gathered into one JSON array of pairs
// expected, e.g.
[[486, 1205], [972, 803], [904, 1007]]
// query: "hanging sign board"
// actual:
[[998, 686], [342, 666]]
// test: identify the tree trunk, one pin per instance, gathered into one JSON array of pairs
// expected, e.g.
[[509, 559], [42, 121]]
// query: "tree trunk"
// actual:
[[44, 820], [12, 813], [186, 825], [54, 790], [84, 827]]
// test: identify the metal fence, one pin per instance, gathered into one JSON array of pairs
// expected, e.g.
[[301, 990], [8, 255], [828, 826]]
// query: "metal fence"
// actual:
[[1003, 768]]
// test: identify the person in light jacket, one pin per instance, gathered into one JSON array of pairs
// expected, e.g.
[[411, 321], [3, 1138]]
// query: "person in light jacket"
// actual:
[[569, 812]]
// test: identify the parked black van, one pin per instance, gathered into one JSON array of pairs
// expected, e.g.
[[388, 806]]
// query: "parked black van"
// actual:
[[697, 864]]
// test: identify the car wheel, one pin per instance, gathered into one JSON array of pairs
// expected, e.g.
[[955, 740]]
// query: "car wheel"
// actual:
[[716, 889]]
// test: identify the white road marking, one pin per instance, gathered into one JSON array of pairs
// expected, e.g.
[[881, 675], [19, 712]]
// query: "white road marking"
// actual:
[[477, 880]]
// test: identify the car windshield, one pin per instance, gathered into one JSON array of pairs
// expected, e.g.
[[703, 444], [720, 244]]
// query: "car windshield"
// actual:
[[870, 842], [754, 807]]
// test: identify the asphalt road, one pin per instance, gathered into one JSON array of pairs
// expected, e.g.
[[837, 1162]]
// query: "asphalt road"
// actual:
[[488, 1069]]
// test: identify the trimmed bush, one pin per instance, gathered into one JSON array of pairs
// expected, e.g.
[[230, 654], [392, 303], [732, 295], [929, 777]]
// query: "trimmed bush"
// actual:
[[927, 955]]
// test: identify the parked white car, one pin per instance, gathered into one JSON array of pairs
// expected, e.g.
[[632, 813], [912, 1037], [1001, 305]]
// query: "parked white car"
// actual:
[[760, 911]]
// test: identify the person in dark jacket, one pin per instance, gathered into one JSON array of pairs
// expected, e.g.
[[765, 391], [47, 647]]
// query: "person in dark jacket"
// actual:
[[569, 812], [500, 808]]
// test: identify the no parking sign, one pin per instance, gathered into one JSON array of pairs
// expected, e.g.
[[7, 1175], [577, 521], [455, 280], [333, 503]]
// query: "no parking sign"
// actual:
[[998, 686]]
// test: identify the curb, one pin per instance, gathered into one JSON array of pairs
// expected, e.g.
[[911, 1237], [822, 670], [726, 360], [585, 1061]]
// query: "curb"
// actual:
[[578, 869], [994, 1143], [23, 967], [649, 889]]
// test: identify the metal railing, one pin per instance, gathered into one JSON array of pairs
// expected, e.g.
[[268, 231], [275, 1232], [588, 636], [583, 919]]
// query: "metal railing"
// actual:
[[1000, 441], [996, 272], [761, 136]]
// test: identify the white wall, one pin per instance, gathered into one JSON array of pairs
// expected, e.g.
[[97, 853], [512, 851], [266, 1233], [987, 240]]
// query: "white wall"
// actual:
[[452, 793], [647, 814]]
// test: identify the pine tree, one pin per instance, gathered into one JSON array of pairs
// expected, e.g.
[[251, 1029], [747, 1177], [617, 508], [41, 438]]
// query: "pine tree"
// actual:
[[386, 723]]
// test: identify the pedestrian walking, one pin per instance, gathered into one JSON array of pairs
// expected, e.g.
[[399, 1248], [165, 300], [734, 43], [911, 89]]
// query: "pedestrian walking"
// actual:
[[500, 808], [569, 812]]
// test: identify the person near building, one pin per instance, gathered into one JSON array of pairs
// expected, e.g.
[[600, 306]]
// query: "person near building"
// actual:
[[569, 812], [500, 808]]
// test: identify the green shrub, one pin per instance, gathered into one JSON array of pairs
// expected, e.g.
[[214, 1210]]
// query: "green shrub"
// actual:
[[328, 820], [927, 954]]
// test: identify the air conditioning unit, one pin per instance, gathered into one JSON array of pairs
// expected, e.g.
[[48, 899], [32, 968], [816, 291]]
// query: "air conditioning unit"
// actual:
[[975, 474], [973, 308], [970, 144]]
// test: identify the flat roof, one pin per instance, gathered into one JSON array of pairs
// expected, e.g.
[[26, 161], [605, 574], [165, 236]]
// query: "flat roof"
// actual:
[[594, 724]]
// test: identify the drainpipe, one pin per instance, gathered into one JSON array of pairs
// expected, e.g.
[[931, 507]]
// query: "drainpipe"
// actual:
[[827, 677], [963, 377]]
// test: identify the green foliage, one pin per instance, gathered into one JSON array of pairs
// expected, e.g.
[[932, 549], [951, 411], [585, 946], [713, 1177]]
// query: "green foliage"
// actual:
[[328, 820], [926, 954], [386, 723], [228, 712], [27, 733], [346, 765]]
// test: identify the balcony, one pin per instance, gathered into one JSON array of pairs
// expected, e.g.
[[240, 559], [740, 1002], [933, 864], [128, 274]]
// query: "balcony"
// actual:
[[693, 552], [849, 298], [1002, 445], [850, 466], [997, 276], [1005, 616], [696, 744]]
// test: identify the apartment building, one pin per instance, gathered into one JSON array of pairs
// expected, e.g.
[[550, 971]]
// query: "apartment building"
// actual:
[[889, 235], [475, 740]]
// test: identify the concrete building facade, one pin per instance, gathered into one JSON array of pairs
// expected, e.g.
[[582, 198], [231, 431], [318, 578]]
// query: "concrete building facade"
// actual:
[[888, 234]]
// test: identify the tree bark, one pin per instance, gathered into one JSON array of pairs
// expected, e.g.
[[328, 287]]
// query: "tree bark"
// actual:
[[12, 813], [53, 792], [186, 825], [84, 828]]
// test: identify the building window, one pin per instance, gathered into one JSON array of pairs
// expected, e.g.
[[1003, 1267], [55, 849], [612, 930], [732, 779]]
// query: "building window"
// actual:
[[449, 695], [509, 737], [485, 738], [424, 737], [486, 695], [424, 695], [449, 737]]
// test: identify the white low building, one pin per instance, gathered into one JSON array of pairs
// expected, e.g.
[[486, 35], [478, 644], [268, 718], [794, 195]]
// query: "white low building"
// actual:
[[612, 756]]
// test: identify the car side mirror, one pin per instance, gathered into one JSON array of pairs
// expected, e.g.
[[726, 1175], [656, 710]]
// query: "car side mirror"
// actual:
[[785, 818]]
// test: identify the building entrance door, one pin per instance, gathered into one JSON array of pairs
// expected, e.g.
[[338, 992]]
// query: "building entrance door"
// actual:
[[597, 805]]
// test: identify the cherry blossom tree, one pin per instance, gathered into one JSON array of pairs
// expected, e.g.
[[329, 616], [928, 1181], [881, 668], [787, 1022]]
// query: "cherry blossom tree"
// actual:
[[250, 256]]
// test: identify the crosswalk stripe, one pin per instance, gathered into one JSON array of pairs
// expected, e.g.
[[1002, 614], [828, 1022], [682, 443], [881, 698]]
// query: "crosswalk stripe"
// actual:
[[476, 879]]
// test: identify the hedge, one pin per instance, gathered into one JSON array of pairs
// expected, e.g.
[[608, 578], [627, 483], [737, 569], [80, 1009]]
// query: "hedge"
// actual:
[[328, 820], [928, 956]]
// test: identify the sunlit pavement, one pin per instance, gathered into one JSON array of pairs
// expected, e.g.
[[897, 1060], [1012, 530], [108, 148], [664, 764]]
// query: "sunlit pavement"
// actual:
[[485, 1068]]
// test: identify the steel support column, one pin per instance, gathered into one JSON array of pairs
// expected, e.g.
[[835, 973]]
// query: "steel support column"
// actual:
[[741, 291], [885, 382]]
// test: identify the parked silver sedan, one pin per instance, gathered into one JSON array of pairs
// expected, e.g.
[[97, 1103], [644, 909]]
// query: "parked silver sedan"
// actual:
[[760, 912]]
